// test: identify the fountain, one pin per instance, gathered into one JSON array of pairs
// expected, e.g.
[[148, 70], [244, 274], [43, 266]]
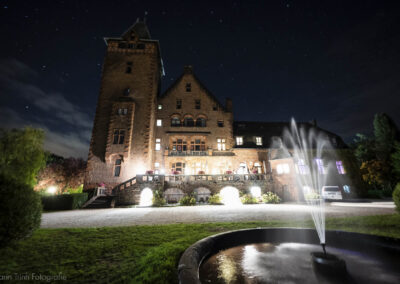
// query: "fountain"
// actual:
[[308, 150], [282, 255]]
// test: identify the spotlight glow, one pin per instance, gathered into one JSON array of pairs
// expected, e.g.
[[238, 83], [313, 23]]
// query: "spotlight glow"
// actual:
[[146, 197], [52, 189], [255, 191], [230, 196]]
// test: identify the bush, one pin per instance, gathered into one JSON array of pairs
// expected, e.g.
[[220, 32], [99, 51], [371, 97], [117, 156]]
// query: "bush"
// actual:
[[158, 199], [248, 199], [187, 201], [20, 210], [271, 197], [64, 201], [396, 197], [375, 193], [312, 195], [215, 199]]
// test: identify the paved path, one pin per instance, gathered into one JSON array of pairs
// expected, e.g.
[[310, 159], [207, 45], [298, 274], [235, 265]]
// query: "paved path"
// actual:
[[206, 213]]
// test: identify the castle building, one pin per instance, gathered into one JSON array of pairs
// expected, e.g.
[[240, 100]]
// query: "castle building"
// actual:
[[140, 131]]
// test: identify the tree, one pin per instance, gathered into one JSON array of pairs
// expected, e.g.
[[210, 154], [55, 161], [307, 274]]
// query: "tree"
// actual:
[[363, 148], [20, 210], [375, 173], [395, 161], [65, 174], [21, 154], [385, 132]]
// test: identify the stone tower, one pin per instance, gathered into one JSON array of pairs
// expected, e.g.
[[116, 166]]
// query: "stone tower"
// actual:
[[122, 142]]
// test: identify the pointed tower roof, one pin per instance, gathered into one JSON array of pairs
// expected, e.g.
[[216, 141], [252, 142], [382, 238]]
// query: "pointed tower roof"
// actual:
[[139, 28]]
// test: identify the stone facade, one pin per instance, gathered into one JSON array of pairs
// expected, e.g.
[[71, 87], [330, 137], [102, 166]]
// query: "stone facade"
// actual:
[[185, 130]]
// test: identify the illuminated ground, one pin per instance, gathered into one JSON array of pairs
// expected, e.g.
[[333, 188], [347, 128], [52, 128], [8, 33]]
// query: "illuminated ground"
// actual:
[[202, 214]]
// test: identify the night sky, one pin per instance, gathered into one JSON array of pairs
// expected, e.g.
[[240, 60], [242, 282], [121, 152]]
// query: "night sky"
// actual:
[[335, 61]]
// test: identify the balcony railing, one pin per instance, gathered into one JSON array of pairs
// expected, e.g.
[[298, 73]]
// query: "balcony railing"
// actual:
[[217, 178], [187, 153]]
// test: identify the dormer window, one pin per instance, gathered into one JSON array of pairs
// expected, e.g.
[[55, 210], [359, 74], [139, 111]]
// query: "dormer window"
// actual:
[[133, 36], [188, 87]]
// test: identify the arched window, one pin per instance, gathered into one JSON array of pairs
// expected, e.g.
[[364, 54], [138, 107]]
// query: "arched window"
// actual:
[[201, 122], [175, 122], [188, 122]]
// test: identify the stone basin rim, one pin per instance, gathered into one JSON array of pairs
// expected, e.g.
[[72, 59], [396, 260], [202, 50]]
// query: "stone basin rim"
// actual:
[[192, 258]]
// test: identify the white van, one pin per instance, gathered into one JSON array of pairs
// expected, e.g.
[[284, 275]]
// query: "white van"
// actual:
[[331, 192]]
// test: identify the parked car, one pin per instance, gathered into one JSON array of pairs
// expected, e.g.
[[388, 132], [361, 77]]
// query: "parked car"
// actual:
[[331, 192]]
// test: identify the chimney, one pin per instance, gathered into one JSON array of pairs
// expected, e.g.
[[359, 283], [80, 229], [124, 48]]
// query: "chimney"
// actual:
[[187, 69], [228, 105]]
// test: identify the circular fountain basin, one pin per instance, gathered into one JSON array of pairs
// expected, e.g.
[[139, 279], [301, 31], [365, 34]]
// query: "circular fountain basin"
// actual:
[[290, 255]]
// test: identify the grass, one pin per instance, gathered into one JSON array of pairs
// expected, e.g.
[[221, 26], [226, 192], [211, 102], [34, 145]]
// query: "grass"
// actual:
[[142, 254]]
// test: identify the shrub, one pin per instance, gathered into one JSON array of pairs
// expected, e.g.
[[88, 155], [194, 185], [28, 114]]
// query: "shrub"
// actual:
[[187, 201], [271, 197], [214, 199], [20, 210], [64, 201], [375, 193], [248, 199], [158, 199], [396, 197]]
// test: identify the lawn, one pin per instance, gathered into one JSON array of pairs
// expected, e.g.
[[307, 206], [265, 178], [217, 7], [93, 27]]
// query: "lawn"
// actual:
[[141, 254]]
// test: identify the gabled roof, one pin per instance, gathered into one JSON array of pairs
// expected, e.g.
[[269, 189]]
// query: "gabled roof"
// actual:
[[271, 130], [189, 70]]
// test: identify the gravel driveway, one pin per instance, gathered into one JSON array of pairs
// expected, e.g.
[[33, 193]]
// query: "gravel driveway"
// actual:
[[205, 213]]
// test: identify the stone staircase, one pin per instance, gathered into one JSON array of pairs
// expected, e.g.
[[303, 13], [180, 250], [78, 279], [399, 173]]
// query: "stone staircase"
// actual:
[[100, 199]]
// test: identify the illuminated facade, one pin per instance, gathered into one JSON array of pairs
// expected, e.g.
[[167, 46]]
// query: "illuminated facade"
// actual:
[[184, 131]]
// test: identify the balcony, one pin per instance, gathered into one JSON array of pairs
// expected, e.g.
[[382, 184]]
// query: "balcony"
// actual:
[[187, 153]]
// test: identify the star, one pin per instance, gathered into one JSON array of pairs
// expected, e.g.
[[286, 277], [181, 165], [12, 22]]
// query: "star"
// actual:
[[26, 107]]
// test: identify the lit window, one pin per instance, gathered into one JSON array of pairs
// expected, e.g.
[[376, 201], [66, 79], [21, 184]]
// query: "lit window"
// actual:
[[259, 141], [282, 169], [340, 167], [159, 122], [239, 140], [188, 87], [320, 165], [119, 136], [220, 123], [159, 106], [303, 168], [158, 144], [156, 165], [197, 104], [117, 167], [221, 144], [178, 104]]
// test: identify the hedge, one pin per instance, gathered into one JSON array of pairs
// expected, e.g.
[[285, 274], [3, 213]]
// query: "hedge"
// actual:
[[64, 201]]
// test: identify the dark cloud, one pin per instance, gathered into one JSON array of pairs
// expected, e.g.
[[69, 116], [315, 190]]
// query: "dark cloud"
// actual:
[[66, 125]]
